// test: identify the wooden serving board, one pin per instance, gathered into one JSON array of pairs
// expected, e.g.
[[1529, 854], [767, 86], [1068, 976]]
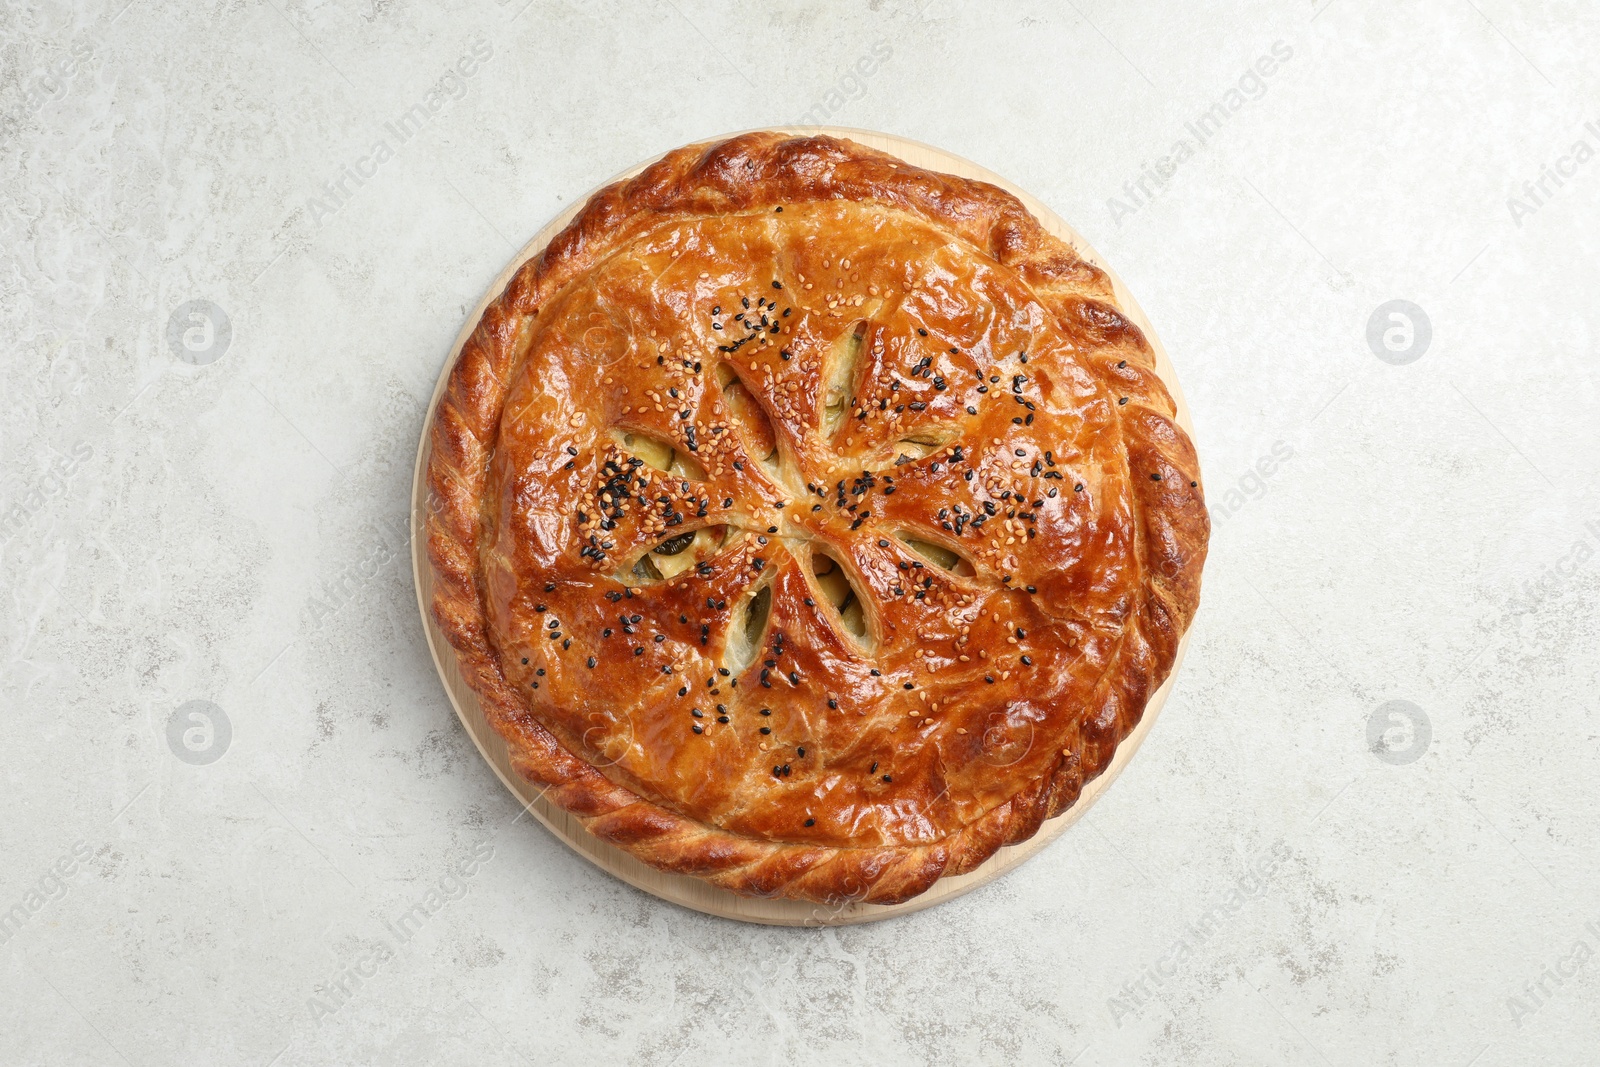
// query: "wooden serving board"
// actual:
[[682, 889]]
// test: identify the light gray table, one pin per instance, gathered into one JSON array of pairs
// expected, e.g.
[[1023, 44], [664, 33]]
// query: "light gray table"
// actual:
[[242, 825]]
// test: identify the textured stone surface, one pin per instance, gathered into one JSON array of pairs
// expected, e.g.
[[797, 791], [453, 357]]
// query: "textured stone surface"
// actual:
[[1295, 869]]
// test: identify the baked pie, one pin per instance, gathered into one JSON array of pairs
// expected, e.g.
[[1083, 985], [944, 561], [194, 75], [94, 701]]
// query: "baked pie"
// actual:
[[809, 522]]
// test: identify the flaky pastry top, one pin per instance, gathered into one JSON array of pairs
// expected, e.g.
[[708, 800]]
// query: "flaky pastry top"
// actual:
[[810, 522]]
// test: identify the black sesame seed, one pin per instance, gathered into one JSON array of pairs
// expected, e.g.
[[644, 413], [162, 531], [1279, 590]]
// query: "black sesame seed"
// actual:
[[697, 728], [592, 661], [810, 822]]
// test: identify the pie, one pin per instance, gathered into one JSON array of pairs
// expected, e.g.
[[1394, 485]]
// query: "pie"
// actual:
[[809, 522]]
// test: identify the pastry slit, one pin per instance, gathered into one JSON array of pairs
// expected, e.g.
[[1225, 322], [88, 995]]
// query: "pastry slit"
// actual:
[[839, 393], [940, 556], [840, 593], [749, 419], [749, 634], [663, 457]]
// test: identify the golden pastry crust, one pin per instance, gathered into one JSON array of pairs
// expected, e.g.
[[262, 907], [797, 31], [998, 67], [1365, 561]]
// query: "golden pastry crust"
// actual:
[[776, 356]]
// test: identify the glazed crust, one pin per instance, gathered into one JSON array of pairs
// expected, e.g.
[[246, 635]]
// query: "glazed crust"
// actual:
[[808, 356]]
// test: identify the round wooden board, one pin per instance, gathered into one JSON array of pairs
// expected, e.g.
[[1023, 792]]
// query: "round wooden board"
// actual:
[[682, 889]]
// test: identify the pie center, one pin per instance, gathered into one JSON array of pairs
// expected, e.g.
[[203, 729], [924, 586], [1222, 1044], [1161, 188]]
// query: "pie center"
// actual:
[[831, 546]]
